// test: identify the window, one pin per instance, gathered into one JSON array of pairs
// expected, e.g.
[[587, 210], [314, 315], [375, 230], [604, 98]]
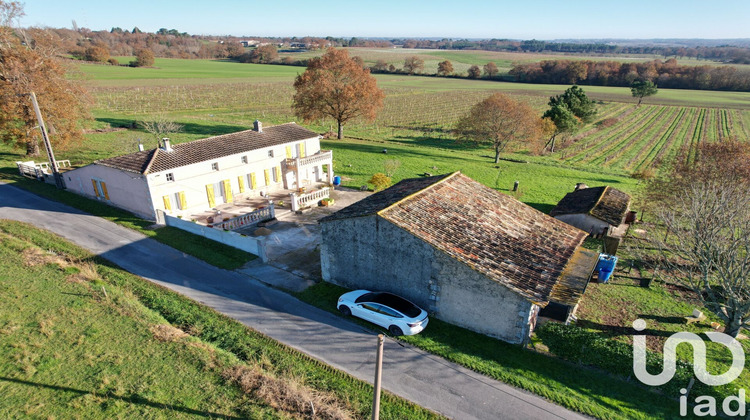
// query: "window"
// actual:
[[270, 153], [170, 177], [275, 174], [244, 159], [215, 166]]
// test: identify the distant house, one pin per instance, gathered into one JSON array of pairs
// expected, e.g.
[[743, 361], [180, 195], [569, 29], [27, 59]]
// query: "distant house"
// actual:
[[468, 254], [191, 177], [593, 209]]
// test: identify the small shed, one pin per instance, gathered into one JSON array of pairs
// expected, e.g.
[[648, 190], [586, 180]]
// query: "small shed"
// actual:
[[596, 210]]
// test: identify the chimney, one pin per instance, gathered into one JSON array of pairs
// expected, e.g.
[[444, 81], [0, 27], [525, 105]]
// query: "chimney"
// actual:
[[167, 147], [140, 146], [580, 186], [257, 126]]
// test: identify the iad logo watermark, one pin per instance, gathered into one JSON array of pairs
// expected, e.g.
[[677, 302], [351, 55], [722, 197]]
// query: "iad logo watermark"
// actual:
[[704, 405]]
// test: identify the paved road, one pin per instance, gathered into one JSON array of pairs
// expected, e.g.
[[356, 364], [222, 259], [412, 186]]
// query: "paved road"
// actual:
[[411, 373]]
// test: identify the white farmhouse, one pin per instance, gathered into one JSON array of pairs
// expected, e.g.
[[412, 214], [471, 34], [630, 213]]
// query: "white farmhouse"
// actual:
[[191, 177]]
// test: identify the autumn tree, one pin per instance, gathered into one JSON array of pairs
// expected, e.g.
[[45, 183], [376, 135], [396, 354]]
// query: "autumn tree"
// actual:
[[500, 122], [32, 64], [474, 72], [413, 64], [234, 49], [97, 52], [143, 58], [445, 68], [702, 234], [643, 88], [335, 86], [490, 70], [264, 54], [380, 66]]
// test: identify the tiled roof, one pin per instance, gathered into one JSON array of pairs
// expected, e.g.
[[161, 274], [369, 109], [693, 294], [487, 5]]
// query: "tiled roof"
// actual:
[[605, 203], [211, 148], [385, 198], [496, 235]]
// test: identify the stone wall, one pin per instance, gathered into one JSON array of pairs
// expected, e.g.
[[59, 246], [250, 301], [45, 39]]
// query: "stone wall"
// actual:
[[372, 253]]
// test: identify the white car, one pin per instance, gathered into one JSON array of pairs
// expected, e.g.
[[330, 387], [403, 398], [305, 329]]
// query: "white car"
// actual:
[[392, 312]]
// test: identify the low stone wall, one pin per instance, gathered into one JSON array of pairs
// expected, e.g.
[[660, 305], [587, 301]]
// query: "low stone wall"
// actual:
[[255, 246]]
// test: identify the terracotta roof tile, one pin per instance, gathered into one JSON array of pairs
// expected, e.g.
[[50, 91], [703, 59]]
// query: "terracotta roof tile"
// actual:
[[385, 198], [605, 203], [203, 150], [494, 234]]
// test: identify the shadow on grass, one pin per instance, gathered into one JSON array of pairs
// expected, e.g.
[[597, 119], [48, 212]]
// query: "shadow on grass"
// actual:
[[208, 130], [131, 399], [442, 143]]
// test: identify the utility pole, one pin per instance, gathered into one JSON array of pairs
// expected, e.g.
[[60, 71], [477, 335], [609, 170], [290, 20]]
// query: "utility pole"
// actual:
[[59, 181], [378, 376]]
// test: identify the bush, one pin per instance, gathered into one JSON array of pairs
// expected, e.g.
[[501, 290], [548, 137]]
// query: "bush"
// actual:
[[644, 174], [380, 181], [113, 61]]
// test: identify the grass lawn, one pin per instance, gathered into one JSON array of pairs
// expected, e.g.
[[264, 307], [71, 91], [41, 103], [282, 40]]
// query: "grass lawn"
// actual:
[[80, 338], [69, 351]]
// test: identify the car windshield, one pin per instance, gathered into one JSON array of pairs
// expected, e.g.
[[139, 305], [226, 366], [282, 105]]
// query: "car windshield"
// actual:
[[392, 301]]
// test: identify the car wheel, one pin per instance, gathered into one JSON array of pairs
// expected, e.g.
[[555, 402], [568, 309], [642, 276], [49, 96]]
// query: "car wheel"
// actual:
[[395, 331], [345, 310]]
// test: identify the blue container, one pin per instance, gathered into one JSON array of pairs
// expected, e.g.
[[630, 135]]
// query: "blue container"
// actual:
[[336, 181], [605, 267]]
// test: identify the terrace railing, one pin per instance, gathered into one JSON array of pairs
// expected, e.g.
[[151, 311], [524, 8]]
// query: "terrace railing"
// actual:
[[324, 157], [305, 200], [38, 170], [248, 219]]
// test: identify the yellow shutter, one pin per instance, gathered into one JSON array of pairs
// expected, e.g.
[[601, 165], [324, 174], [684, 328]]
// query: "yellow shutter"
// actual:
[[167, 203], [253, 181], [278, 173], [228, 191], [302, 150], [289, 152], [104, 190], [267, 175], [210, 194], [96, 189], [183, 203], [241, 183]]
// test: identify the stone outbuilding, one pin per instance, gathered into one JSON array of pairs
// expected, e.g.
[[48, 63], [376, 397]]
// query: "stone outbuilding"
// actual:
[[468, 254], [596, 210]]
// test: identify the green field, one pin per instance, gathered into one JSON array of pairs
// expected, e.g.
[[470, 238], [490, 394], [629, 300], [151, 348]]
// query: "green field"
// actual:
[[216, 97]]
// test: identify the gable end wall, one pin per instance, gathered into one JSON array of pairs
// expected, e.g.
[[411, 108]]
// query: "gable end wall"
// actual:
[[372, 253]]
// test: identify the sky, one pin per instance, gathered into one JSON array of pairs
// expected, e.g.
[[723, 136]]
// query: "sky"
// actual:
[[531, 19]]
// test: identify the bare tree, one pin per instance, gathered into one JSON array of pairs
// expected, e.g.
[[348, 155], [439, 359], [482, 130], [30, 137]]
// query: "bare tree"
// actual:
[[703, 208], [160, 126], [707, 248]]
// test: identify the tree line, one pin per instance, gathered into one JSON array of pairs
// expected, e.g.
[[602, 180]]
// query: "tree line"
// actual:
[[729, 54], [665, 74]]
